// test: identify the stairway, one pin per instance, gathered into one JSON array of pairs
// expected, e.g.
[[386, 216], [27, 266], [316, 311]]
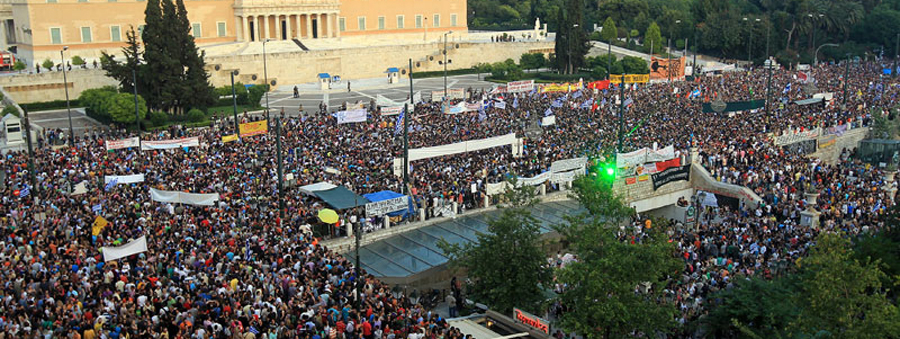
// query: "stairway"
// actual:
[[300, 44]]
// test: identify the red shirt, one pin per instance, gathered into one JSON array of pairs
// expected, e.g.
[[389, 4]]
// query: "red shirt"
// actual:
[[367, 328]]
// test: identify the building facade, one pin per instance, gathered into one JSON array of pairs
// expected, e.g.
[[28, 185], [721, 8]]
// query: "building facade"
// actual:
[[38, 29]]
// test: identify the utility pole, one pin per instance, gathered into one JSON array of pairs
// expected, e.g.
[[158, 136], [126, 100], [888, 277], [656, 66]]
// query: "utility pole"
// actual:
[[896, 56], [406, 132], [237, 131], [768, 65], [137, 114], [358, 236], [31, 169], [668, 58], [280, 169], [621, 114], [846, 80], [68, 108], [609, 60]]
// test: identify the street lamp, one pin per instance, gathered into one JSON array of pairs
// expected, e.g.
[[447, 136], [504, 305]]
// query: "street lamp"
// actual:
[[445, 62], [266, 77], [816, 63], [237, 129], [769, 66], [68, 107], [570, 47], [750, 41], [814, 27]]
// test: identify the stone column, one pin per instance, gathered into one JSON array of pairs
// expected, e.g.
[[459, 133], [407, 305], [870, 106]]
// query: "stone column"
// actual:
[[257, 23], [278, 27], [319, 24], [268, 33], [337, 26], [245, 28], [297, 34], [309, 26]]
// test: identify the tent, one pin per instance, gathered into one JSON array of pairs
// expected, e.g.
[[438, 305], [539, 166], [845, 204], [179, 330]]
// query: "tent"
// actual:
[[385, 195], [340, 198], [319, 186]]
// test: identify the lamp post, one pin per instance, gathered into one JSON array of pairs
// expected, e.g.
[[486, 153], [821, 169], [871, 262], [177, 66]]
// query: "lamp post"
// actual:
[[896, 56], [406, 132], [609, 60], [846, 80], [237, 130], [768, 65], [266, 77], [445, 63], [569, 38], [816, 58], [137, 114], [280, 169], [68, 107], [814, 17]]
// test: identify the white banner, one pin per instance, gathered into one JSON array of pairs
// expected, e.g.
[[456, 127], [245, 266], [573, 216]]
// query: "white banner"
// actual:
[[562, 177], [123, 143], [520, 86], [124, 179], [453, 93], [790, 138], [381, 100], [494, 189], [568, 165], [536, 180], [136, 246], [387, 206], [661, 154], [356, 115], [461, 147], [644, 155], [171, 144], [548, 120], [391, 110], [184, 198]]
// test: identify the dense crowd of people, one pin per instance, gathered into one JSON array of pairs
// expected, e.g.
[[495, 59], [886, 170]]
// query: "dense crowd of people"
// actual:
[[237, 270]]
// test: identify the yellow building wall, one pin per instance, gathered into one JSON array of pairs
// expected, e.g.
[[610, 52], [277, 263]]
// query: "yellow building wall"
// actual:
[[70, 16], [352, 10]]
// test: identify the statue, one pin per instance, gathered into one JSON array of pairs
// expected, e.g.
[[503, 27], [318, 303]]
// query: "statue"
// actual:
[[537, 24]]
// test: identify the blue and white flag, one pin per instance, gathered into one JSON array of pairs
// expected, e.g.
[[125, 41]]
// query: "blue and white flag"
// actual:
[[628, 102], [97, 208], [587, 103], [516, 102], [500, 104], [398, 125], [695, 93], [25, 192], [548, 112], [786, 89], [557, 103], [482, 115], [112, 183], [576, 95]]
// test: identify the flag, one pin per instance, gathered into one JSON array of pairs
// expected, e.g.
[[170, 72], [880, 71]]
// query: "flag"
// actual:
[[695, 93], [588, 103], [628, 102], [398, 125], [802, 77], [557, 103], [576, 95], [97, 208], [112, 183], [548, 112], [594, 107], [25, 192], [99, 224], [482, 115], [500, 104], [786, 89], [516, 102]]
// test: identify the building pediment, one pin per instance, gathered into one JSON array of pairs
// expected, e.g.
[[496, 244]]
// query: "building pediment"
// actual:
[[244, 7]]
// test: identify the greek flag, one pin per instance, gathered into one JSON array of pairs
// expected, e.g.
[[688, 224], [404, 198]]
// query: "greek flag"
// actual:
[[25, 192], [695, 93], [557, 103], [628, 102], [398, 125], [588, 103], [482, 116], [548, 112], [96, 208], [516, 102], [576, 95], [112, 183], [500, 104], [786, 88]]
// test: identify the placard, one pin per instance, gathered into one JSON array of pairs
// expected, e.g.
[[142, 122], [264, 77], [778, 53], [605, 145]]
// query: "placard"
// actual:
[[386, 206]]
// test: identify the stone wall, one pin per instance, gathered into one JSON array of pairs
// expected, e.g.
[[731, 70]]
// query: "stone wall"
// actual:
[[830, 154], [48, 86], [287, 68], [642, 197]]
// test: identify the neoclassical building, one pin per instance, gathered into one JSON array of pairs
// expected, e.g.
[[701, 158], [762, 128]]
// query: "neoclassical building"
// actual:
[[38, 29]]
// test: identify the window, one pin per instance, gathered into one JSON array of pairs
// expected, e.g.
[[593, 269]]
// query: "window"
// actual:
[[51, 1], [55, 35], [86, 34], [115, 33], [418, 21], [342, 24], [362, 23], [197, 30], [78, 1], [112, 0], [400, 20], [437, 21], [381, 22], [452, 20], [221, 29]]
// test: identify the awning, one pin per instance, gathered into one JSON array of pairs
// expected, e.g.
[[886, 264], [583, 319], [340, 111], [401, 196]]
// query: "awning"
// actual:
[[324, 76], [809, 101], [340, 198], [385, 195], [319, 186], [393, 70]]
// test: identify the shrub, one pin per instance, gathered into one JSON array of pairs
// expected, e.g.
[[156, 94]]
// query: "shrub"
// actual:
[[93, 101], [195, 115], [10, 110], [19, 65], [256, 93], [223, 95], [598, 73], [158, 118], [78, 61], [120, 107], [48, 64]]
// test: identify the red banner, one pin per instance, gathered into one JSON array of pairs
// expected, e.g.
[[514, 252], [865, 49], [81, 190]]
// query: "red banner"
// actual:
[[598, 85], [663, 165]]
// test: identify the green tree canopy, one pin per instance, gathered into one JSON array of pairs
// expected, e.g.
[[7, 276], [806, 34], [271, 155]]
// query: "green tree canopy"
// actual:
[[48, 64], [507, 263], [609, 32], [652, 38], [120, 107]]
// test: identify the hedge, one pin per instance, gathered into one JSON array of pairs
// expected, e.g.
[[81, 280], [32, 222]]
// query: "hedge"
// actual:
[[48, 105], [463, 71]]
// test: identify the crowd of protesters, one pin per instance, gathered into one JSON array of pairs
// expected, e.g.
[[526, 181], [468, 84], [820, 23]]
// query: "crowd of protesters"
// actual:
[[237, 270]]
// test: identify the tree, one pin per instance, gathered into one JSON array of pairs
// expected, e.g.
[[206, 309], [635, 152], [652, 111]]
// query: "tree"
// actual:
[[482, 67], [579, 44], [48, 64], [609, 31], [616, 286], [634, 65], [532, 60], [763, 307], [561, 43], [123, 72], [120, 107], [506, 264], [652, 37], [78, 61], [19, 65], [843, 297], [198, 92]]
